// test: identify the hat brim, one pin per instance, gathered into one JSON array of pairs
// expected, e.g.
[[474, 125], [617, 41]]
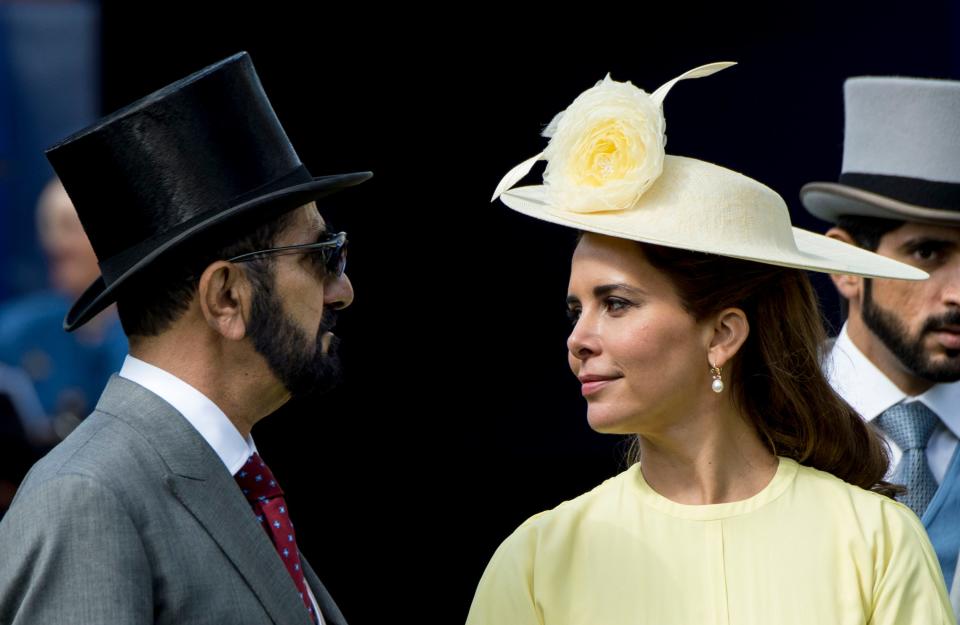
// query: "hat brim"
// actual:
[[831, 200], [814, 252], [99, 295]]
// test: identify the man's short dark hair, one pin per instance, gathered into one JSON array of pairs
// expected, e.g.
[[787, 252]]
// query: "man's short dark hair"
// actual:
[[866, 233], [160, 296]]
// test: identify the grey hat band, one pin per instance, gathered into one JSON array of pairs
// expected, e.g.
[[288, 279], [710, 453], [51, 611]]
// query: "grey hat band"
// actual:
[[916, 191]]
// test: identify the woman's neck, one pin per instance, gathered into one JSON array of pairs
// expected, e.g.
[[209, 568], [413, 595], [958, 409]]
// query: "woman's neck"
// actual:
[[716, 457]]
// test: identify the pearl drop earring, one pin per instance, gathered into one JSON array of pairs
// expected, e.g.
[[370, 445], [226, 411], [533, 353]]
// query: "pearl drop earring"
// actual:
[[717, 384]]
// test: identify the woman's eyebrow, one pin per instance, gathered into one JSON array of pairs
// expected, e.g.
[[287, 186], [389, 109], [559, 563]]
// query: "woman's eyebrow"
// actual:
[[606, 289]]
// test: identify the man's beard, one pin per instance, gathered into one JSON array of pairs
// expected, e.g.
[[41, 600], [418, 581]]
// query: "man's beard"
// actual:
[[909, 349], [296, 359]]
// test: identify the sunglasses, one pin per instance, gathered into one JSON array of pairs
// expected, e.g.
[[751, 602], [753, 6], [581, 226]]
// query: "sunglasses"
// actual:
[[331, 253]]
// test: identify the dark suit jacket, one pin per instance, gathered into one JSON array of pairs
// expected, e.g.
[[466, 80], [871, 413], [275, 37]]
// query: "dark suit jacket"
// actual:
[[135, 519]]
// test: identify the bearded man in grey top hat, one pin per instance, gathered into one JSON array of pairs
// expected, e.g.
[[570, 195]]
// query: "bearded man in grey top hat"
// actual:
[[158, 507], [897, 357]]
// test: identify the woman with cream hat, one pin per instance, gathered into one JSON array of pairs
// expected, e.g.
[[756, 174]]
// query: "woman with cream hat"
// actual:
[[756, 495]]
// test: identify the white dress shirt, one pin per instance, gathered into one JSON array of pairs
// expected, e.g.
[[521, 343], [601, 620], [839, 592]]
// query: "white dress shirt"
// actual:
[[870, 392], [204, 415]]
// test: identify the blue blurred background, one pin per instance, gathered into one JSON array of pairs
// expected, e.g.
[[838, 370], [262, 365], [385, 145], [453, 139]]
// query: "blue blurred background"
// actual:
[[49, 87]]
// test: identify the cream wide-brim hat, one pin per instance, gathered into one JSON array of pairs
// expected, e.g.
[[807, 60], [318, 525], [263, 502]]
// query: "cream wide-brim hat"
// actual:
[[695, 205]]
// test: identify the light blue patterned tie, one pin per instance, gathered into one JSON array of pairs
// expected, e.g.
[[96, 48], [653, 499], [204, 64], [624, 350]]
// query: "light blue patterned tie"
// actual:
[[910, 426]]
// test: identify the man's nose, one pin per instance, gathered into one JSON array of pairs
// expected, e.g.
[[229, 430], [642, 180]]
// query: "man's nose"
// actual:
[[338, 292]]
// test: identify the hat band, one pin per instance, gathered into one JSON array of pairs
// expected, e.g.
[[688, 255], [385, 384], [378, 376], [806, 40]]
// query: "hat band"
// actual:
[[298, 175], [115, 266], [916, 191]]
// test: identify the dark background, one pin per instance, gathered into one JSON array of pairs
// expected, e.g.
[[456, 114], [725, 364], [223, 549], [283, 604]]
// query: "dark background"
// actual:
[[459, 417]]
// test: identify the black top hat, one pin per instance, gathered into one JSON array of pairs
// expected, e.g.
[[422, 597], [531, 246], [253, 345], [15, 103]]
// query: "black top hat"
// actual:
[[187, 160]]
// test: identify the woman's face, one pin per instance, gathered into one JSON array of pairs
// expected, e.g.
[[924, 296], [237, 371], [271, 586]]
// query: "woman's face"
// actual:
[[640, 356]]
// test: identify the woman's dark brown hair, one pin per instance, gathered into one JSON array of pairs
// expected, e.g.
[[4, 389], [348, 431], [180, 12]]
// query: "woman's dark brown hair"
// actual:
[[776, 377]]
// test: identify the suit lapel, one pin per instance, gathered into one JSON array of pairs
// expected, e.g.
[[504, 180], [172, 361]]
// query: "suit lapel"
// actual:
[[200, 481], [231, 523], [331, 613]]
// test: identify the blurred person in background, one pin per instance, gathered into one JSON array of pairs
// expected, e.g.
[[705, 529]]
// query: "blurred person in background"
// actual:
[[68, 371]]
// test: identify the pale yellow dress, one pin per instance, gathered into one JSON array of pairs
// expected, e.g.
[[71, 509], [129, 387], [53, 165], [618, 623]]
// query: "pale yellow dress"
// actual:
[[809, 549]]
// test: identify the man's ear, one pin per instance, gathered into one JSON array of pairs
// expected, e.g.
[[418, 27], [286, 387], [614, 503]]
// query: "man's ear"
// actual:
[[224, 296], [849, 287]]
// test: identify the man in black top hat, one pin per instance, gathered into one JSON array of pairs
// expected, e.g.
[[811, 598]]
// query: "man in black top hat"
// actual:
[[158, 509], [897, 358]]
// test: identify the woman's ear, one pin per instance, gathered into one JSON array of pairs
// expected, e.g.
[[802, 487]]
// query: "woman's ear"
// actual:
[[729, 332], [224, 296]]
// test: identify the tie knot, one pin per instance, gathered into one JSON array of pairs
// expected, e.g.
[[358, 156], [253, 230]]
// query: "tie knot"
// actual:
[[909, 425], [256, 480]]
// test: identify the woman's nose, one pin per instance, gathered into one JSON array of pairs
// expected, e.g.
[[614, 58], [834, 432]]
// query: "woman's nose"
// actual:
[[583, 341]]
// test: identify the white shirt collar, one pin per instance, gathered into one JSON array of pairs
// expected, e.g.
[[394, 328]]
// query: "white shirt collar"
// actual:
[[204, 415], [870, 392]]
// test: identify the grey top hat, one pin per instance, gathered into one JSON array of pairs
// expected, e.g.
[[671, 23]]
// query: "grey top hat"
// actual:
[[901, 153]]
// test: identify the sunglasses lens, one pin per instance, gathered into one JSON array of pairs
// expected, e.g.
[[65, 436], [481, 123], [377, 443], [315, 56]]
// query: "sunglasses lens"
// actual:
[[338, 260], [334, 259]]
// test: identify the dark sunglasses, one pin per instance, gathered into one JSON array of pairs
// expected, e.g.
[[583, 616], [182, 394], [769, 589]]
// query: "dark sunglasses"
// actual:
[[332, 253]]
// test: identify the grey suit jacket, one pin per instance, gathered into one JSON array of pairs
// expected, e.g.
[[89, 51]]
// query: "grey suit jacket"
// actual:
[[134, 519]]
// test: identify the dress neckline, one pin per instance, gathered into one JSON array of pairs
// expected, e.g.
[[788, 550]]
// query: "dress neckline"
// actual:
[[784, 476]]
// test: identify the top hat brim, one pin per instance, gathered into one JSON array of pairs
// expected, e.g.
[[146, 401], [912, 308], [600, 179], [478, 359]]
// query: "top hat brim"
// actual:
[[99, 295], [831, 200]]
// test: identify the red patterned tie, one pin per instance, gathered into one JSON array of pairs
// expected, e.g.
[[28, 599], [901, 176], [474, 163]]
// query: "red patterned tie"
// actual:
[[264, 494]]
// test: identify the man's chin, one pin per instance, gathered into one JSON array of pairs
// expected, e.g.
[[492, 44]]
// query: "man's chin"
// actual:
[[323, 377], [939, 364]]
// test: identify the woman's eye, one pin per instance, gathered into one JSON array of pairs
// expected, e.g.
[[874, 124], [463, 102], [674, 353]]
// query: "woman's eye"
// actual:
[[573, 314], [616, 304]]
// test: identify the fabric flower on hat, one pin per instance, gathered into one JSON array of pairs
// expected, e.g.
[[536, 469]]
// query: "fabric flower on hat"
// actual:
[[605, 149]]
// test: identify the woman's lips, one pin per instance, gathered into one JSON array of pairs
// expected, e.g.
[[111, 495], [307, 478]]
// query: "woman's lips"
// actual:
[[592, 384]]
